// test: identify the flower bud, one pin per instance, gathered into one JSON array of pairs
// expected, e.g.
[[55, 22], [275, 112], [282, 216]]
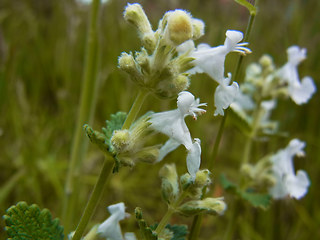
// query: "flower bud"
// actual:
[[149, 41], [208, 205], [181, 82], [186, 181], [120, 140], [198, 28], [179, 26], [135, 15], [203, 178], [170, 185], [128, 64]]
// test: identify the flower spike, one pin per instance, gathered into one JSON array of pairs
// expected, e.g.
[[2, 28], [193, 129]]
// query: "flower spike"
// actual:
[[300, 92]]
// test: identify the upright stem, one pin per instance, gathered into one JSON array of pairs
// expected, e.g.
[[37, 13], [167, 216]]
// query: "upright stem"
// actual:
[[135, 108], [245, 39], [94, 198], [85, 115], [171, 209], [196, 224], [256, 118]]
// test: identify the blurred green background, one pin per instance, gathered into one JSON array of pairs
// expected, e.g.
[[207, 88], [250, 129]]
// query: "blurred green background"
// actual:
[[42, 45]]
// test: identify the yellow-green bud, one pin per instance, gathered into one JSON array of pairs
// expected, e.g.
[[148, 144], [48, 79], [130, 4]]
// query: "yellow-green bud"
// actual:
[[93, 234], [135, 14], [266, 61], [149, 41], [179, 26], [170, 185], [208, 205], [128, 64], [185, 181], [181, 82], [198, 28], [147, 154], [120, 140], [203, 178]]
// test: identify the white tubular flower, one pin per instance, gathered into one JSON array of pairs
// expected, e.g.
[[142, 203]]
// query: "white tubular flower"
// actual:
[[224, 95], [211, 61], [130, 236], [172, 124], [110, 228], [288, 183], [300, 92], [193, 158]]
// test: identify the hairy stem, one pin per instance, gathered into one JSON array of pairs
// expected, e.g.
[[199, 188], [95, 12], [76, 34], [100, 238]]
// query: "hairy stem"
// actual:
[[135, 108], [171, 209], [94, 198]]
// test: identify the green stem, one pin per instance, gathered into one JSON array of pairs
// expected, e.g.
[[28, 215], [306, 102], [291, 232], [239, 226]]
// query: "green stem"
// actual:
[[245, 39], [256, 119], [217, 142], [85, 115], [196, 224], [171, 209], [94, 198], [135, 108], [197, 220]]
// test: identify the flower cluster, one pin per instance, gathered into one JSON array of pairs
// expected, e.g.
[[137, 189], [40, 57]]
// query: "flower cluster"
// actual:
[[157, 67], [287, 181], [211, 60]]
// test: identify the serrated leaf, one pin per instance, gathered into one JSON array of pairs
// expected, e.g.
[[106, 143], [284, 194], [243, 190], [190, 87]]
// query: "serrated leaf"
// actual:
[[25, 222], [97, 138], [146, 231], [115, 123], [179, 231], [251, 8]]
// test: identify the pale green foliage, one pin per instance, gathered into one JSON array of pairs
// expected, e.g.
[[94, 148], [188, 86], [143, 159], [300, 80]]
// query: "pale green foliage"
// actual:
[[261, 200], [247, 5], [207, 205], [26, 222]]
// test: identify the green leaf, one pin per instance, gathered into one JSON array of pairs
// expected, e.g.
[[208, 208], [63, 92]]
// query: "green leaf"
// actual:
[[97, 138], [260, 200], [251, 8], [146, 231], [257, 199], [103, 140], [25, 222], [226, 184], [115, 123], [179, 231]]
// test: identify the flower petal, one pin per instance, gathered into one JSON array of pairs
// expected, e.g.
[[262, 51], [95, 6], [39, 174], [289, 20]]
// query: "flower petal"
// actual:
[[194, 158]]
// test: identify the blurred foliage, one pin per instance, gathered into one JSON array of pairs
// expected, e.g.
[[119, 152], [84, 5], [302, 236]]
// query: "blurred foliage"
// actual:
[[41, 62]]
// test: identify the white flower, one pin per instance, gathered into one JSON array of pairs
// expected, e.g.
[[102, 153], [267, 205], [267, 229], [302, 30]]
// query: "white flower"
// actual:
[[211, 61], [289, 183], [110, 228], [172, 124], [224, 95], [300, 92]]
